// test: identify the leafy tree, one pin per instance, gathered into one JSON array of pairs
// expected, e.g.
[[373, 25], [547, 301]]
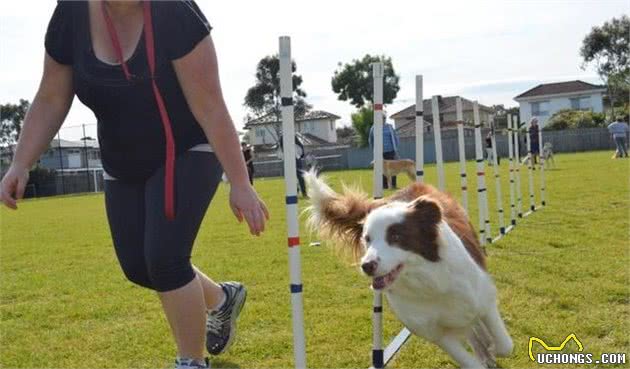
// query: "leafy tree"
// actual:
[[501, 113], [264, 97], [11, 117], [362, 121], [571, 119], [346, 135], [607, 48], [353, 81]]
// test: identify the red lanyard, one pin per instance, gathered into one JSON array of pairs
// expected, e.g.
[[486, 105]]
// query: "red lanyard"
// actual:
[[169, 165]]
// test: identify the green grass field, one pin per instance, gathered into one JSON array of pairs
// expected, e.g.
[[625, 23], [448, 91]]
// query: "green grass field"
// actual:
[[64, 303]]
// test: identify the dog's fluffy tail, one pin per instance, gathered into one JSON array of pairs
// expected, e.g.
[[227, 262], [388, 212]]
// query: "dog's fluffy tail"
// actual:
[[337, 217]]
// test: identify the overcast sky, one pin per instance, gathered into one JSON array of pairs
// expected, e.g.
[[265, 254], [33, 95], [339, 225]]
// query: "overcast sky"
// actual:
[[485, 50]]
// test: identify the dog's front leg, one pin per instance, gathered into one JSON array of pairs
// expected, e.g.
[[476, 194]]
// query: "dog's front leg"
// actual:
[[496, 326], [455, 347]]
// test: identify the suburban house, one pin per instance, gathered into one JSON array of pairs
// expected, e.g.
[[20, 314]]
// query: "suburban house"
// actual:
[[544, 100], [317, 126], [71, 155], [404, 120]]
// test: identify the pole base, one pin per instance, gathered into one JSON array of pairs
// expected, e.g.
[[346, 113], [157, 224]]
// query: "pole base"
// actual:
[[377, 359]]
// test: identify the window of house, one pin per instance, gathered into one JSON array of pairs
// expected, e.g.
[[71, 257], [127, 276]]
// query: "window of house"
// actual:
[[260, 132], [581, 103], [332, 125], [540, 108]]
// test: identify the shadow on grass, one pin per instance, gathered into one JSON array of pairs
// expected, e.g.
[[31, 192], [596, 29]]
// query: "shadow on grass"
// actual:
[[222, 364]]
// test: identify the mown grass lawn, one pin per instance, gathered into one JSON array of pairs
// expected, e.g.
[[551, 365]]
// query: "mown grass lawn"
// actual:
[[64, 302]]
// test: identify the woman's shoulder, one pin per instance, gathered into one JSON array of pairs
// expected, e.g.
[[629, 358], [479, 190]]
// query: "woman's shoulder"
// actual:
[[179, 11], [180, 26]]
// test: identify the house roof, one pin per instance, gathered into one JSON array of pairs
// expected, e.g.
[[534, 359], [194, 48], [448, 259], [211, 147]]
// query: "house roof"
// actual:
[[559, 88], [311, 115], [409, 129], [446, 104], [64, 144]]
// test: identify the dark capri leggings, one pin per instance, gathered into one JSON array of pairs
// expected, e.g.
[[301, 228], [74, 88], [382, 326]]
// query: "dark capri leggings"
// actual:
[[154, 252]]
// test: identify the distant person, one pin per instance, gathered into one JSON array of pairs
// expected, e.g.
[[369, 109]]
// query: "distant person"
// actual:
[[533, 139], [619, 130], [489, 151], [300, 154], [391, 142], [248, 156]]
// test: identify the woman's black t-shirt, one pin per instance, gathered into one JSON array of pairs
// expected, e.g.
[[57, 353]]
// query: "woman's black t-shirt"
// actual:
[[130, 132]]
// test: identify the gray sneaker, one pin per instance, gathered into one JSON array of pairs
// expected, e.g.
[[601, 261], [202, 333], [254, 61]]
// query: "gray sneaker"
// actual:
[[221, 324], [185, 363]]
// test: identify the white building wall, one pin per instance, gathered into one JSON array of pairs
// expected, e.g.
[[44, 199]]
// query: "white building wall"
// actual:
[[556, 103], [260, 135]]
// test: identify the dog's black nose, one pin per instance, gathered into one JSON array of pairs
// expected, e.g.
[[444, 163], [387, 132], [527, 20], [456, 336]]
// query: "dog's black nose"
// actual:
[[369, 267]]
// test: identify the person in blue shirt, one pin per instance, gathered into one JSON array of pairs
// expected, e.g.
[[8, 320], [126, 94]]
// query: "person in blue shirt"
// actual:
[[619, 130], [391, 142]]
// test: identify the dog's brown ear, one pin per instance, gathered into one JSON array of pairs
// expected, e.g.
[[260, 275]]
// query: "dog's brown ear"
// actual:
[[426, 210]]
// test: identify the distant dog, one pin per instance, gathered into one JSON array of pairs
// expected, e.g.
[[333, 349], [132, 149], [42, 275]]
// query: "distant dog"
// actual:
[[392, 168], [420, 249], [547, 155]]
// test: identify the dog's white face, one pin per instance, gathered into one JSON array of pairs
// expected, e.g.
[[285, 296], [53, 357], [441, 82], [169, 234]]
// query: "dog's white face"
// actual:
[[396, 235]]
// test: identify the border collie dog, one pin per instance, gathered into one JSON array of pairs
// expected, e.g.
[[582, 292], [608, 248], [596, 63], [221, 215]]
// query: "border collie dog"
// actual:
[[420, 249]]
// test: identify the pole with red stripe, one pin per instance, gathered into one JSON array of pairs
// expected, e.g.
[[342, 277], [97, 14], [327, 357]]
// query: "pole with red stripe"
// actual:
[[290, 180], [462, 151]]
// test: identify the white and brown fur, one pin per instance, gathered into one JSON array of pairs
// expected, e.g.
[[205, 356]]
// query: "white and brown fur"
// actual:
[[420, 248], [392, 168], [547, 154]]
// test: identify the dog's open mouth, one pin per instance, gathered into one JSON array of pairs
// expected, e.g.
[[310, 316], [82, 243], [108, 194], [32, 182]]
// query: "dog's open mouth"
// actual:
[[384, 281]]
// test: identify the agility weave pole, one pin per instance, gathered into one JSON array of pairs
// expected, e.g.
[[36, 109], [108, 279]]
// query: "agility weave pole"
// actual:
[[290, 180], [482, 201], [530, 170], [542, 167], [419, 131], [437, 134], [511, 171], [377, 189], [462, 151], [517, 167], [497, 179]]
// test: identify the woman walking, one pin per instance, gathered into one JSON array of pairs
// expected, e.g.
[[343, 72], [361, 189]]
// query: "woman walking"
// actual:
[[148, 71]]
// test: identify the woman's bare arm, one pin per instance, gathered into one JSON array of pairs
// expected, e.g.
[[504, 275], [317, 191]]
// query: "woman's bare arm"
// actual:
[[198, 76], [42, 121], [46, 114]]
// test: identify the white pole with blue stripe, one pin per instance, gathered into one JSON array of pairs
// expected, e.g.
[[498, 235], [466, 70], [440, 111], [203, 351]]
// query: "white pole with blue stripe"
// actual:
[[377, 314], [459, 111], [290, 180], [437, 135], [419, 130]]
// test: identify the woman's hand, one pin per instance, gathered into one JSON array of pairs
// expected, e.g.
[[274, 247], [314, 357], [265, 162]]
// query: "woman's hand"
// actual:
[[13, 185], [245, 203]]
